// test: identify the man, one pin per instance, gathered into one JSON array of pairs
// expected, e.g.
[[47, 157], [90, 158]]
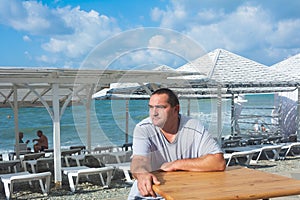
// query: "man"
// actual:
[[42, 142], [169, 141]]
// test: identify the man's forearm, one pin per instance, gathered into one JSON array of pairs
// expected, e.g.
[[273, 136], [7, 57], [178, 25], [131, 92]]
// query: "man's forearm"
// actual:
[[139, 165], [211, 162]]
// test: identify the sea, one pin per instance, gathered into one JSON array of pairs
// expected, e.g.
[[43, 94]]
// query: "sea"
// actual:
[[113, 121]]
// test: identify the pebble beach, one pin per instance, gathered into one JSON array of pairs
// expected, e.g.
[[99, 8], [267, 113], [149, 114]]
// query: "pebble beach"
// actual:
[[119, 189]]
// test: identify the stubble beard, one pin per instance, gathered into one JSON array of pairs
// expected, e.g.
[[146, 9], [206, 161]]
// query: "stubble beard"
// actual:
[[157, 121]]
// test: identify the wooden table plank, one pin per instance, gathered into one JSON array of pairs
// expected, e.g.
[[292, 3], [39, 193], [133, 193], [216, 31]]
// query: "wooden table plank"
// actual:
[[234, 183]]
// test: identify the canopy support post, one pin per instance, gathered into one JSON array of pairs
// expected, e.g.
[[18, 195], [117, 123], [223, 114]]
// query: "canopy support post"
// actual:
[[219, 114], [16, 121], [298, 115], [56, 136]]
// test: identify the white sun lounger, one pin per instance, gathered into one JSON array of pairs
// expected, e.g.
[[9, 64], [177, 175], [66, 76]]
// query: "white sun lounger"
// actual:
[[126, 169], [9, 180], [288, 148], [260, 150], [77, 172], [235, 155], [269, 148]]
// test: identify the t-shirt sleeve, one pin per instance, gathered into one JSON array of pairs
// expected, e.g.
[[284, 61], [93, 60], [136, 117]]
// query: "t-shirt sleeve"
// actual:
[[209, 145], [141, 142]]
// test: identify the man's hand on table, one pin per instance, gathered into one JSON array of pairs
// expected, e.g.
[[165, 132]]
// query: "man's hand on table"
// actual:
[[145, 182]]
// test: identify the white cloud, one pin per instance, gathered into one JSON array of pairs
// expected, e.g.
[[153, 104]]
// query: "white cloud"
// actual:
[[26, 38], [71, 32], [89, 29], [214, 28], [44, 58], [252, 28], [144, 47], [286, 34], [32, 17], [174, 16], [27, 55]]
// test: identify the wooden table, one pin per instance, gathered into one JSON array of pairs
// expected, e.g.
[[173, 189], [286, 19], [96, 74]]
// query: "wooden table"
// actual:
[[234, 183]]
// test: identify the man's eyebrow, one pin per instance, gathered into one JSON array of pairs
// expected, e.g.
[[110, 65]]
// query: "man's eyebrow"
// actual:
[[157, 106]]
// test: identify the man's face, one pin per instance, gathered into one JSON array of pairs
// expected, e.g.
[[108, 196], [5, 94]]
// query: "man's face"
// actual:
[[160, 111]]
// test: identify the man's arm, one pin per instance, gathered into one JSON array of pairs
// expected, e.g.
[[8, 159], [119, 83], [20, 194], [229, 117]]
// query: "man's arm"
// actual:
[[210, 162], [141, 171]]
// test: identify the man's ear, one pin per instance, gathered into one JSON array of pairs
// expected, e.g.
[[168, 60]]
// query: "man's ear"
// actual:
[[177, 108]]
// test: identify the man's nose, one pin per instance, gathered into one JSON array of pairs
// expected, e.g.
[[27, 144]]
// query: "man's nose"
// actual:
[[154, 111]]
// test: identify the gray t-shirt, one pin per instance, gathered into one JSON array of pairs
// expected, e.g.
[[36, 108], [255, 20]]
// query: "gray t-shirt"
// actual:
[[192, 141]]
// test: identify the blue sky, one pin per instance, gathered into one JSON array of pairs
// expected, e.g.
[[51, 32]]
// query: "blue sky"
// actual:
[[63, 34]]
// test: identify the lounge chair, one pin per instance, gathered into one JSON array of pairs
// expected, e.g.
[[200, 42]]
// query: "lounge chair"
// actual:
[[238, 156], [125, 167], [69, 152], [34, 156], [255, 141], [271, 152], [289, 149], [274, 139], [105, 149], [9, 166], [83, 148], [31, 156], [231, 143], [9, 180], [96, 160], [80, 171], [266, 150]]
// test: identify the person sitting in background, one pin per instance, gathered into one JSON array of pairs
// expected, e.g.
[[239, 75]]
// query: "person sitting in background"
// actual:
[[263, 128], [21, 135], [256, 126], [42, 142]]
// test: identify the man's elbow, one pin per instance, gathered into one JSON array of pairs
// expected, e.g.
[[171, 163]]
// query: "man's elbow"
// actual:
[[221, 164]]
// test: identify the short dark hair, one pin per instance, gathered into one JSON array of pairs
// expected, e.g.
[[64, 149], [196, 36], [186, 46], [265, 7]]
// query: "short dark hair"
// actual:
[[172, 100]]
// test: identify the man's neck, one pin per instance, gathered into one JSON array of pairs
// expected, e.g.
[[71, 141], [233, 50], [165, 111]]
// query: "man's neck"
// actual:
[[170, 132]]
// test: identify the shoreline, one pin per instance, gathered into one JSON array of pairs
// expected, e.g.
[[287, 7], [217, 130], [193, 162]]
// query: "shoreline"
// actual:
[[119, 190]]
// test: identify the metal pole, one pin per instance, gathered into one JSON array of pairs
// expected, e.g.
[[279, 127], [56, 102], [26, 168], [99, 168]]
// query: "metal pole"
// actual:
[[219, 114], [127, 123], [233, 120], [90, 90], [88, 124], [16, 121], [298, 114], [189, 107]]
